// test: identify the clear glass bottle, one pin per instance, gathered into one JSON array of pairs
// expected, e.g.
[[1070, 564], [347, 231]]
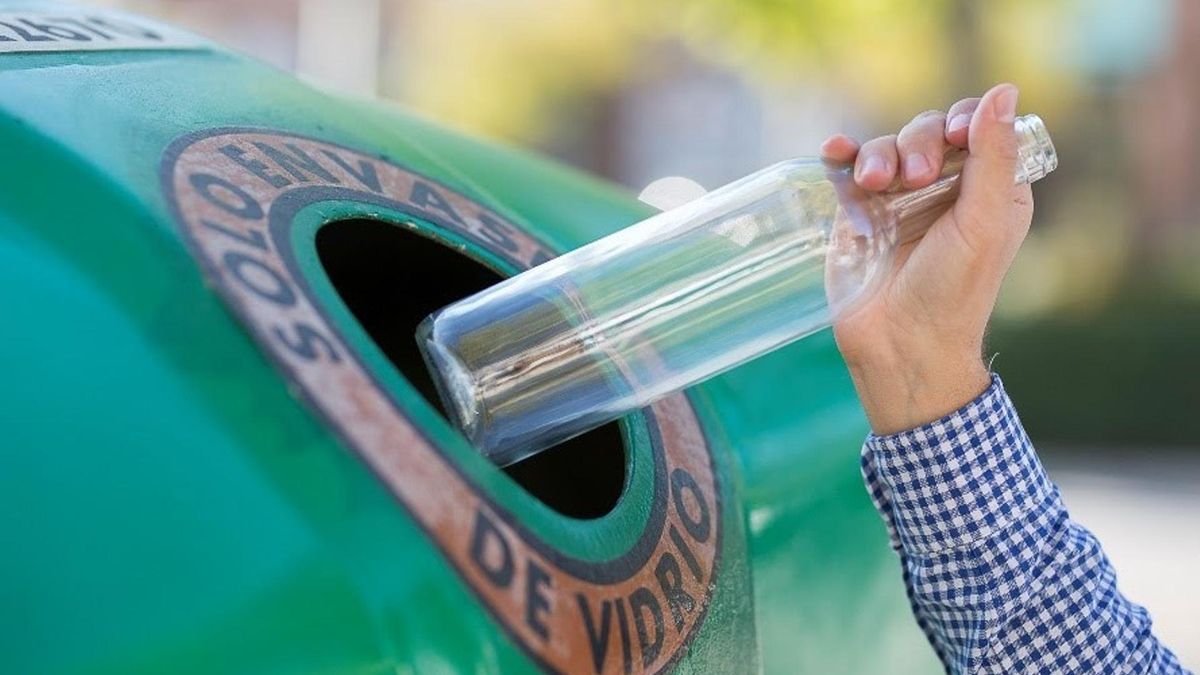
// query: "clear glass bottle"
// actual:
[[677, 298]]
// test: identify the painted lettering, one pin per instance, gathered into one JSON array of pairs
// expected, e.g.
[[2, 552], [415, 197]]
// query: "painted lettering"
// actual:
[[307, 342], [365, 174], [223, 186], [641, 601], [296, 162], [78, 23], [25, 34], [670, 580], [537, 580], [496, 233], [427, 197], [124, 28], [499, 570], [623, 626], [251, 237], [685, 552], [206, 183], [597, 637], [700, 526], [253, 166], [258, 278], [56, 31]]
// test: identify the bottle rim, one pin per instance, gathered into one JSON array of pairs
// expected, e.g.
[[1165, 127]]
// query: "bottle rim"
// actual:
[[1035, 150]]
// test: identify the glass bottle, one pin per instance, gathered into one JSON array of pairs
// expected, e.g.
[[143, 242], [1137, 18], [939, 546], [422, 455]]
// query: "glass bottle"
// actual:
[[677, 298]]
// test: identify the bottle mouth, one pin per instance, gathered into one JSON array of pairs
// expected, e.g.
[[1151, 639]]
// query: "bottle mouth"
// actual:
[[451, 379], [1035, 150]]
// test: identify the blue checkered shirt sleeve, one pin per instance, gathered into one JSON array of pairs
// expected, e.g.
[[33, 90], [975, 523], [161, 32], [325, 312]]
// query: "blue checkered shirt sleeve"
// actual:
[[1001, 580]]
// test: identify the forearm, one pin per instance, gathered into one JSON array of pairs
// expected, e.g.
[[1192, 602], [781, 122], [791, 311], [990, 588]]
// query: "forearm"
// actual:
[[999, 576]]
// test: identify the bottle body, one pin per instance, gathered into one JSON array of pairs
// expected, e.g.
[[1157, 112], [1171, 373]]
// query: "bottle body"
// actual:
[[665, 303], [649, 310]]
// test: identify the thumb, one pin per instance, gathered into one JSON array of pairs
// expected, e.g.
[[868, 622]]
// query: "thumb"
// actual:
[[991, 210]]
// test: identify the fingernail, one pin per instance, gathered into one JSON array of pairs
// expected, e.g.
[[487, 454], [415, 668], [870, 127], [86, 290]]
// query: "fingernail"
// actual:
[[915, 166], [872, 164], [1005, 105], [957, 122]]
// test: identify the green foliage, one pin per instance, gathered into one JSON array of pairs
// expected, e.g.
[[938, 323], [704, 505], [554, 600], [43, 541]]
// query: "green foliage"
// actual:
[[1127, 376]]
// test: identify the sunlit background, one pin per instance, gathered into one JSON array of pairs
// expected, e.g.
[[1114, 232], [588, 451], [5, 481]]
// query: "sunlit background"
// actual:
[[1099, 325]]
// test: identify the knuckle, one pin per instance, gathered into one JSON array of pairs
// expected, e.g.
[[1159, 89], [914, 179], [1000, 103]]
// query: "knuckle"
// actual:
[[966, 106], [881, 141], [928, 115], [882, 144], [925, 129], [962, 103]]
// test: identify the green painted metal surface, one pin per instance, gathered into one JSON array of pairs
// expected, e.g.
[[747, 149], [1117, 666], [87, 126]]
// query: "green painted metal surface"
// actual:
[[168, 505]]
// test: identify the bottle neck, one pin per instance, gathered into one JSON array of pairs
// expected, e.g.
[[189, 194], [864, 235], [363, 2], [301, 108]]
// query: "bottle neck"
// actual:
[[915, 210]]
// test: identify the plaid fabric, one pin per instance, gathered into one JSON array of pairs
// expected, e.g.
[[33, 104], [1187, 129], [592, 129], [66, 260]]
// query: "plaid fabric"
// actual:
[[1000, 578]]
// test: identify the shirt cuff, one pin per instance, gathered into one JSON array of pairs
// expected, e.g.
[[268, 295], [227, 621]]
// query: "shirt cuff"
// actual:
[[958, 480]]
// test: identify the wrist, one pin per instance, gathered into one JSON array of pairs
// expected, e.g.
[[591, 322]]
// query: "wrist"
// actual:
[[906, 392]]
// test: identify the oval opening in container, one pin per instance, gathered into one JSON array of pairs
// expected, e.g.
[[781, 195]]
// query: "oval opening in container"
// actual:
[[391, 278]]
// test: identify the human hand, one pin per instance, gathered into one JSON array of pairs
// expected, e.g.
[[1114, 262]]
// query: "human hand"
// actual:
[[915, 348]]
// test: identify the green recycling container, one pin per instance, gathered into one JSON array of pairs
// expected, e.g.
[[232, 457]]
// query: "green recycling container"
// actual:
[[219, 450]]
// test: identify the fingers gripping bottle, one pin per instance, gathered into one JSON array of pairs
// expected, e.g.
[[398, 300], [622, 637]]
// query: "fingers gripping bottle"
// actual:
[[677, 298]]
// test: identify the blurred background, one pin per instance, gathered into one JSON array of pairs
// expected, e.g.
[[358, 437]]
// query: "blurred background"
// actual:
[[1098, 328]]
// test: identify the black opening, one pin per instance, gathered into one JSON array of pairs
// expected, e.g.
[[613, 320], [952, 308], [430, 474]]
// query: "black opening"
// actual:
[[391, 279]]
